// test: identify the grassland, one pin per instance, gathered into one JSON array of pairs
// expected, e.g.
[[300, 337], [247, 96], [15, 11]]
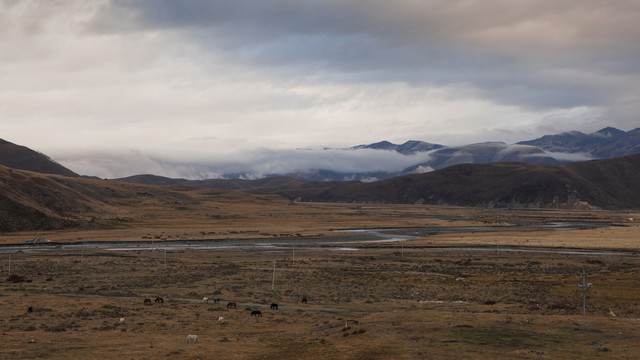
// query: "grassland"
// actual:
[[410, 300]]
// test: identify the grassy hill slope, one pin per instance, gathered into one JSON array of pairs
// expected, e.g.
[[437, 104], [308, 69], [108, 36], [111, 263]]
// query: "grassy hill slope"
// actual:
[[23, 158], [610, 184]]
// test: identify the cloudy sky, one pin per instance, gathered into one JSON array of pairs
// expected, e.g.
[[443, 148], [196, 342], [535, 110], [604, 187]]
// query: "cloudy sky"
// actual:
[[196, 88]]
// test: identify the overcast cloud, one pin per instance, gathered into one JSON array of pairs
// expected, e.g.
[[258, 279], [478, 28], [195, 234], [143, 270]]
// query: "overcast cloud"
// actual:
[[193, 88]]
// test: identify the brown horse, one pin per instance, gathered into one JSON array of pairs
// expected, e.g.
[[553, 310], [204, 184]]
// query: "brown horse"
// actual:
[[159, 300], [147, 301], [304, 300], [274, 306], [231, 305], [256, 313]]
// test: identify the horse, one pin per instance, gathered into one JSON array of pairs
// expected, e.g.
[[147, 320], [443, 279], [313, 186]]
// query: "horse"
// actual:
[[192, 339], [122, 321], [274, 306], [216, 300], [147, 301], [256, 313], [205, 300], [159, 300], [30, 309], [304, 300], [231, 305]]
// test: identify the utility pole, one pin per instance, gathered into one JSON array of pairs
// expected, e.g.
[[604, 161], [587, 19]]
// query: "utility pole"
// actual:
[[584, 287], [273, 278]]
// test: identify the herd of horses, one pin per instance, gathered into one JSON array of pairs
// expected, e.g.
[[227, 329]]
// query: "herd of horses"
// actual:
[[194, 338], [230, 304]]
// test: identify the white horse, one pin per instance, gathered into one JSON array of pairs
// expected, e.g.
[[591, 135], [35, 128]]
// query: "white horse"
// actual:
[[205, 300], [192, 339], [122, 321]]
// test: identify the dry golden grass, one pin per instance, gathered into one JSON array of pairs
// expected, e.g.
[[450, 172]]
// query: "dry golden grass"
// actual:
[[394, 301]]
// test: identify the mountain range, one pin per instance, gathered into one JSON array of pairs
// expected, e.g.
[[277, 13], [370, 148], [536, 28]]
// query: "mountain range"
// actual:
[[36, 193], [562, 148], [556, 149], [550, 149]]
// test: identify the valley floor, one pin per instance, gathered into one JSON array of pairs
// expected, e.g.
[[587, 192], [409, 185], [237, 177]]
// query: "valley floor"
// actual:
[[409, 300]]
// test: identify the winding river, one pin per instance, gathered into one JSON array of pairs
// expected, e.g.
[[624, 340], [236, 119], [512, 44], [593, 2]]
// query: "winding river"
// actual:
[[330, 243]]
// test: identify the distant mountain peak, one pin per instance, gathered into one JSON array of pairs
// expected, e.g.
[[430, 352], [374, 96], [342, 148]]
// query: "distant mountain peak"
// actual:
[[605, 143], [609, 132], [409, 147]]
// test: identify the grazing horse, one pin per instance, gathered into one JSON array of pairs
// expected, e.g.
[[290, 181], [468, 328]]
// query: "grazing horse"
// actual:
[[256, 313], [159, 300], [304, 300], [147, 301], [192, 339], [274, 306], [30, 309], [216, 300], [122, 321], [205, 300], [231, 305]]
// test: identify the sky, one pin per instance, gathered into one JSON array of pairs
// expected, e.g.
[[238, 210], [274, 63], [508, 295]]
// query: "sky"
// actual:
[[196, 89]]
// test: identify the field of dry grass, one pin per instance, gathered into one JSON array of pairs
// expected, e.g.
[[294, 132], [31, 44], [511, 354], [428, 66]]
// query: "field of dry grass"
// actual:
[[410, 300]]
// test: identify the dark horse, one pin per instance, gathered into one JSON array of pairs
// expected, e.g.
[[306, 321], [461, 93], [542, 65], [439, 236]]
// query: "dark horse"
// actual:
[[231, 305], [147, 301], [256, 313], [159, 300], [304, 300], [274, 306]]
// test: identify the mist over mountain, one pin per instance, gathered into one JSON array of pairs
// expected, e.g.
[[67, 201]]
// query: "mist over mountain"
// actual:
[[33, 199], [409, 147], [364, 163], [603, 144], [551, 150]]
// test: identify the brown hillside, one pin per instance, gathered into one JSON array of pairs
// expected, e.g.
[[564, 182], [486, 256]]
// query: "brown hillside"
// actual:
[[23, 158], [32, 201], [609, 184]]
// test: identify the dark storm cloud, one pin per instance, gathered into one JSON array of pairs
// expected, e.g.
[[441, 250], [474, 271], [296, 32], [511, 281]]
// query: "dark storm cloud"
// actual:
[[534, 54], [193, 78]]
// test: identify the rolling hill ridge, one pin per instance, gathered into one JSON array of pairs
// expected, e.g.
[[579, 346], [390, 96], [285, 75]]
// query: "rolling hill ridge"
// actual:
[[23, 158], [607, 184]]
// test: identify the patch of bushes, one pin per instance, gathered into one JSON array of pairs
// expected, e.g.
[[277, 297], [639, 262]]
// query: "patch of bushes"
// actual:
[[561, 305], [61, 327], [16, 279]]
